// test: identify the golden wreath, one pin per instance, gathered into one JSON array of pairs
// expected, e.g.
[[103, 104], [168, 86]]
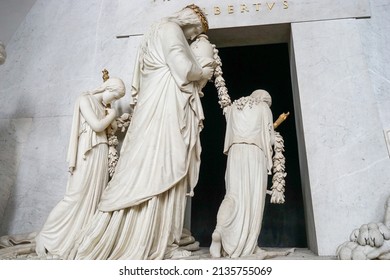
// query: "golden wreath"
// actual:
[[201, 16]]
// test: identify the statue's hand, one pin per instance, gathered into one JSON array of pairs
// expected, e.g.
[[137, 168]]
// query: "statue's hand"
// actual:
[[277, 197], [111, 111], [112, 128], [283, 116], [225, 110], [207, 73]]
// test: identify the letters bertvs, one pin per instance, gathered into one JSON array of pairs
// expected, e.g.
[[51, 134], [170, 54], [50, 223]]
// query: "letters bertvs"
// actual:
[[247, 8], [244, 7]]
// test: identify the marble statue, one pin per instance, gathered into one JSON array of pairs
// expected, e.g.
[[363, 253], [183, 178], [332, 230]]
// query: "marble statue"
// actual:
[[88, 167], [3, 54], [249, 140], [370, 241], [141, 212]]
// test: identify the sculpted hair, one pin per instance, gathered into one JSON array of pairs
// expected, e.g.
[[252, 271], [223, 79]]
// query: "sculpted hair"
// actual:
[[187, 16], [112, 84], [115, 84]]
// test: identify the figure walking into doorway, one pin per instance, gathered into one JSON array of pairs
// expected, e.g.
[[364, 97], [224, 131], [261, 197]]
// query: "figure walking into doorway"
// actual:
[[248, 143]]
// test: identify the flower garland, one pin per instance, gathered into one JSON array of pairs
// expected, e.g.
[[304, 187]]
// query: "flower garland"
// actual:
[[122, 123], [219, 82], [246, 100], [113, 156], [279, 161]]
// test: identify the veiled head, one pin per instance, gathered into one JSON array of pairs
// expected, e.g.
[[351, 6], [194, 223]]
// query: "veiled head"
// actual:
[[192, 20], [263, 95], [201, 15]]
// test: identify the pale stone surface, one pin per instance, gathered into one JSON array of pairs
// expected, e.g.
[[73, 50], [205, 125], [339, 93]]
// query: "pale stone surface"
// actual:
[[376, 40], [294, 254], [13, 135], [348, 167], [41, 175], [25, 252], [222, 14], [12, 13]]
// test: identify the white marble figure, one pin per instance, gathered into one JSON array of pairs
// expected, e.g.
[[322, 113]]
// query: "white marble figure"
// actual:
[[370, 241], [248, 143], [88, 167], [142, 209], [3, 54]]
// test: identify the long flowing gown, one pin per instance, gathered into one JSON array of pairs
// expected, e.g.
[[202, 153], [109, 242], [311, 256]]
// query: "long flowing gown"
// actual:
[[248, 143], [142, 209], [84, 187]]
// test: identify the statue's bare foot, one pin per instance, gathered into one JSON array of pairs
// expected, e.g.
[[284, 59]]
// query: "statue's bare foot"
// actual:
[[215, 247], [290, 251], [180, 253], [260, 253], [191, 247], [263, 254]]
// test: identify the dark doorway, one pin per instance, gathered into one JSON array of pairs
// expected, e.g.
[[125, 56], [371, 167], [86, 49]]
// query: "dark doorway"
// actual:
[[245, 70]]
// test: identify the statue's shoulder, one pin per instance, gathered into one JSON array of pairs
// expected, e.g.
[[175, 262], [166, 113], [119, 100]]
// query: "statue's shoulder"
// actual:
[[84, 99], [170, 26]]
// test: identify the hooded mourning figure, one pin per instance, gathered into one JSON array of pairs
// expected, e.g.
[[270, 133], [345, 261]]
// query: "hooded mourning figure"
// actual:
[[248, 144]]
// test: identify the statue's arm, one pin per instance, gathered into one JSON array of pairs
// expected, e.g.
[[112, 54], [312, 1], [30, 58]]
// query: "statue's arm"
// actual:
[[281, 119], [178, 55]]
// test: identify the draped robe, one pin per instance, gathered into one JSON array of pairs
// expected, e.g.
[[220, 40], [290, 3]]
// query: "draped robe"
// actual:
[[88, 154], [248, 143]]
